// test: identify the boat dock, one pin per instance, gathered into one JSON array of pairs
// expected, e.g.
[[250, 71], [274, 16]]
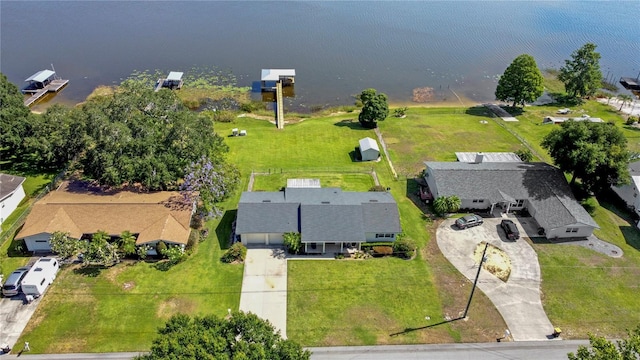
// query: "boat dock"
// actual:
[[173, 81], [630, 83], [37, 94]]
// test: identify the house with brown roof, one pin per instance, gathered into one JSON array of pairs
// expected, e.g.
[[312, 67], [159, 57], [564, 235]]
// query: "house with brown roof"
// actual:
[[151, 217]]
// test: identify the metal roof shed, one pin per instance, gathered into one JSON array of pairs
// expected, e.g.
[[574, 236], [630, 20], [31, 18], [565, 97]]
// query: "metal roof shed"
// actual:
[[41, 76], [277, 74], [175, 76], [369, 149]]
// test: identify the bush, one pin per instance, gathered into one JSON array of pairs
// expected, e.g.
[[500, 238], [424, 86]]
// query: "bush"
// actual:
[[370, 245], [174, 254], [194, 238], [400, 112], [631, 120], [252, 106], [378, 188], [382, 250], [404, 248], [237, 252], [161, 247], [224, 116]]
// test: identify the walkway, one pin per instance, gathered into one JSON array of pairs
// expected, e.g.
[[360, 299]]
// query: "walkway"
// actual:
[[518, 299], [264, 286]]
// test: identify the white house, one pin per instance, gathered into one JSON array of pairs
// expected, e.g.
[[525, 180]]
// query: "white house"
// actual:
[[539, 188], [11, 194], [369, 149]]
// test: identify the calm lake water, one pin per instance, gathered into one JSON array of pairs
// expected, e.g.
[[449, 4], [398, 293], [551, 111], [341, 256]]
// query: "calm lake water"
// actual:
[[337, 48]]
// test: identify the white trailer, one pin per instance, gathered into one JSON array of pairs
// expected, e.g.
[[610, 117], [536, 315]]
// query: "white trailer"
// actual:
[[41, 275]]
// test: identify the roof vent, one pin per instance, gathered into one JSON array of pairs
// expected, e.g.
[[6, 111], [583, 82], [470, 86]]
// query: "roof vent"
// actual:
[[326, 202], [266, 201], [373, 200]]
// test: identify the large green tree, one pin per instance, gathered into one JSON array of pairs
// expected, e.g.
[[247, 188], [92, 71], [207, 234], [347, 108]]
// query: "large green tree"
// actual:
[[603, 349], [99, 251], [64, 245], [595, 153], [139, 136], [15, 119], [521, 81], [239, 336], [374, 108], [581, 74]]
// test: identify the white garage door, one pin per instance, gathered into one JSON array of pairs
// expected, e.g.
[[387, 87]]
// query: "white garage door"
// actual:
[[276, 239], [38, 242], [249, 239]]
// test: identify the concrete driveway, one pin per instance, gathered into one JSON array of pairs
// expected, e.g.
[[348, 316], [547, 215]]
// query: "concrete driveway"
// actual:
[[14, 316], [518, 299], [264, 286]]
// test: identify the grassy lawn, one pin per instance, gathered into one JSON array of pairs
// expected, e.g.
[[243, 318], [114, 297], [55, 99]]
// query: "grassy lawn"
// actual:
[[435, 134], [585, 291], [121, 308]]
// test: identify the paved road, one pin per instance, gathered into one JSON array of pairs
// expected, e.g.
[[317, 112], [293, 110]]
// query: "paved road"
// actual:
[[264, 286], [517, 299], [536, 350]]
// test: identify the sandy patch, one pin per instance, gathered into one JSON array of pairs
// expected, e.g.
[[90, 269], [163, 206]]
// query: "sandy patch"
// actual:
[[497, 263], [175, 305]]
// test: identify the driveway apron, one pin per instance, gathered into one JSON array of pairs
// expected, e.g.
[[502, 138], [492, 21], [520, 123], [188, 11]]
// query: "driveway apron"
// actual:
[[264, 286], [517, 299]]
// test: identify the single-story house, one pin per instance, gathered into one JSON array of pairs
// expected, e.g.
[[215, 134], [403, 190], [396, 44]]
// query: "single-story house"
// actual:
[[11, 194], [328, 219], [539, 188], [369, 149], [560, 120], [151, 217], [631, 193]]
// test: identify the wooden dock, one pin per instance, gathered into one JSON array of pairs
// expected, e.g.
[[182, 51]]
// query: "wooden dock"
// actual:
[[36, 94]]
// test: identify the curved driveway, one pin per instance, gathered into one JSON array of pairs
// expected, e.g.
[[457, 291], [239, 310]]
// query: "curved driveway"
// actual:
[[518, 299]]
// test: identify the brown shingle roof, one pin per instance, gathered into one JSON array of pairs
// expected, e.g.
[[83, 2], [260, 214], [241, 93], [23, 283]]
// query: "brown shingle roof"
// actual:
[[151, 215]]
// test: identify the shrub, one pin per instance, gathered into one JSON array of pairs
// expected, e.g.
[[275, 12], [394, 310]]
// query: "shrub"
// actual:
[[224, 116], [370, 245], [161, 247], [631, 120], [252, 106], [404, 248], [382, 250], [237, 252], [174, 254], [378, 188], [194, 238], [293, 241], [400, 112]]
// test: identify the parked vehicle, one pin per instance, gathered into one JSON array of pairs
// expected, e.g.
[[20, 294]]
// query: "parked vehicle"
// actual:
[[11, 287], [41, 275], [510, 229], [469, 221]]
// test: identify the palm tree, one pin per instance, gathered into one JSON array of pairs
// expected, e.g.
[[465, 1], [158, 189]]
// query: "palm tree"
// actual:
[[625, 100], [440, 205], [127, 243], [453, 203]]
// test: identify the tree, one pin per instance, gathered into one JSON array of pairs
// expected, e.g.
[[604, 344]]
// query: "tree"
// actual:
[[15, 121], [595, 153], [127, 243], [581, 74], [208, 183], [99, 251], [625, 100], [293, 241], [603, 349], [524, 154], [374, 108], [64, 245], [521, 81], [239, 336]]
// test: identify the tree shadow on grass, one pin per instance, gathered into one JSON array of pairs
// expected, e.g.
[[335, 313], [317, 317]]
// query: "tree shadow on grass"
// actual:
[[225, 228], [479, 111], [89, 271], [562, 99], [614, 204], [351, 124]]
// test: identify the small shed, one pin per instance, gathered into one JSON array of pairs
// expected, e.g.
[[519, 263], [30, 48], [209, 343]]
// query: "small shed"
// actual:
[[369, 149]]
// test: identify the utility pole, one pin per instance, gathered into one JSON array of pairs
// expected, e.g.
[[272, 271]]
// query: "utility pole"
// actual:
[[475, 282]]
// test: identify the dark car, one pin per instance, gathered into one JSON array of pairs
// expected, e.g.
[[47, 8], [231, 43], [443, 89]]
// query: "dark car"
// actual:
[[510, 229], [469, 221]]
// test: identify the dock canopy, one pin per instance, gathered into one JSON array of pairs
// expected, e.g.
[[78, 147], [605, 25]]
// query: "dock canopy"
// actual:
[[175, 76], [41, 76], [277, 74]]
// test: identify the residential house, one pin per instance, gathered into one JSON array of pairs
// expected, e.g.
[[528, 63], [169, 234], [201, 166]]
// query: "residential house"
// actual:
[[539, 188], [11, 194], [631, 193], [328, 219], [151, 217]]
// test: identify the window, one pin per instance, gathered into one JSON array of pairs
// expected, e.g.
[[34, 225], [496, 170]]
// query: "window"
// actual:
[[571, 230], [518, 203], [42, 241], [478, 200], [384, 236]]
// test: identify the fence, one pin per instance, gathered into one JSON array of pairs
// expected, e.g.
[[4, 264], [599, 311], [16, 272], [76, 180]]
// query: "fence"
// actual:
[[12, 230]]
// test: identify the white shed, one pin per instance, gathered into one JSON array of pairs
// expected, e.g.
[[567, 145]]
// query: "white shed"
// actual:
[[369, 149]]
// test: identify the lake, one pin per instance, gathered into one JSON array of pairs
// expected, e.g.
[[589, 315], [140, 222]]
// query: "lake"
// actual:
[[456, 48]]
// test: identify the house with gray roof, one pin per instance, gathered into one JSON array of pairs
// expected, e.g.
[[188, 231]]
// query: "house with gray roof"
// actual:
[[539, 188], [630, 193], [11, 194], [328, 219]]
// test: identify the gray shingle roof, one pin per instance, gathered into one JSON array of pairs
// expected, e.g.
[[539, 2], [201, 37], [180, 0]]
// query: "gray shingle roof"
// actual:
[[9, 184], [319, 214], [542, 184]]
